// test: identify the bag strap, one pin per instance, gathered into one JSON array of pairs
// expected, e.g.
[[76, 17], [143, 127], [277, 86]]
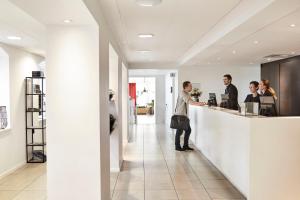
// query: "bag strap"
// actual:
[[176, 104]]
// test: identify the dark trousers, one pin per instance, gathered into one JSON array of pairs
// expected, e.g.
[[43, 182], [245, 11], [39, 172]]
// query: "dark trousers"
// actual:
[[186, 137]]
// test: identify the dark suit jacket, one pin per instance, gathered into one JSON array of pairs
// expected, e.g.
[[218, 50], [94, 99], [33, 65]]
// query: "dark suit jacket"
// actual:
[[232, 91], [250, 98]]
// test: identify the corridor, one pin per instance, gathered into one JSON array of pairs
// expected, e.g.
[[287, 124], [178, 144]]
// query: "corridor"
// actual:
[[153, 170]]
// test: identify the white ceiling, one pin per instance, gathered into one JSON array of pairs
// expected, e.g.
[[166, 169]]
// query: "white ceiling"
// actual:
[[150, 72], [186, 32], [15, 22], [200, 32], [29, 19]]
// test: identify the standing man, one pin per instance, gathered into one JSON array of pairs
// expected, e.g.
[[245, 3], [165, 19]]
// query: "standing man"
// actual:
[[231, 90], [183, 101]]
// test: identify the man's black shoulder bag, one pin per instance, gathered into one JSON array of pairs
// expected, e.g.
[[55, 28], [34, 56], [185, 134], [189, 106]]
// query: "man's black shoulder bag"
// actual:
[[180, 121]]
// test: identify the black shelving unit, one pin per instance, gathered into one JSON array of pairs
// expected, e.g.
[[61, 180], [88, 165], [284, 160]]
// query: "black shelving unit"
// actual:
[[35, 119]]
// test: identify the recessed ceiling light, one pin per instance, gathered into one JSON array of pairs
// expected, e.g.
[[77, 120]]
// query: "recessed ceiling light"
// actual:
[[293, 52], [144, 51], [255, 42], [234, 52], [14, 38], [148, 3], [68, 21], [146, 35], [293, 25], [268, 59]]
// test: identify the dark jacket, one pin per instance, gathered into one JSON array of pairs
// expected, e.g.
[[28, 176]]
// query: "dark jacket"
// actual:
[[250, 98], [232, 102]]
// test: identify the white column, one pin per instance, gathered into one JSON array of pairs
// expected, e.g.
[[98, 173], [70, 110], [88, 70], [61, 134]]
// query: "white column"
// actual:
[[104, 115], [114, 85], [75, 99], [120, 111], [125, 104]]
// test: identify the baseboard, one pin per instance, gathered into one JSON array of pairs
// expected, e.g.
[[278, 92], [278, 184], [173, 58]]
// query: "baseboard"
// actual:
[[10, 171]]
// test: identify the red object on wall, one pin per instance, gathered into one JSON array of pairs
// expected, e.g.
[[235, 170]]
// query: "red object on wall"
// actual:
[[132, 92]]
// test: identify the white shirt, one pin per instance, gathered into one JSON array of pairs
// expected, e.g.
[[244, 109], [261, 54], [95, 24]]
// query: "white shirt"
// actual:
[[182, 105]]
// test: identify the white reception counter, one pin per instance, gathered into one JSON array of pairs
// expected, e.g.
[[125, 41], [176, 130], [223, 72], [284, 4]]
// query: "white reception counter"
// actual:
[[259, 155]]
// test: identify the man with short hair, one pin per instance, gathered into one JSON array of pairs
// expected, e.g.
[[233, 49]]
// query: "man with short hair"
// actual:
[[231, 90], [183, 101]]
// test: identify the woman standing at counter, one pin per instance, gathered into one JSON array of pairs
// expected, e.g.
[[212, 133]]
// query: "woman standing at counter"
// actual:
[[254, 96]]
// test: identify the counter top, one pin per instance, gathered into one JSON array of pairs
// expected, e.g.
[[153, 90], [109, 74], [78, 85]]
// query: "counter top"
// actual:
[[233, 112]]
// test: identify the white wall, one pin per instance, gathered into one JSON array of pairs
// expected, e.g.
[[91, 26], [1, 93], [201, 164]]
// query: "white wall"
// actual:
[[160, 99], [116, 136], [169, 97], [73, 113], [12, 142], [211, 78], [125, 103]]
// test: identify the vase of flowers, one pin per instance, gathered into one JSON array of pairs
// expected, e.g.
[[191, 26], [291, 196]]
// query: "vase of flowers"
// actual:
[[195, 94]]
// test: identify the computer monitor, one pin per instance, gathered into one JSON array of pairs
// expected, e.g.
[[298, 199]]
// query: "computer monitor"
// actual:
[[212, 96], [212, 101], [267, 100]]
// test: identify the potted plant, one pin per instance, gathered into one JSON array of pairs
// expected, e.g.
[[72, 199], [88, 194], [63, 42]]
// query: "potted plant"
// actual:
[[195, 94]]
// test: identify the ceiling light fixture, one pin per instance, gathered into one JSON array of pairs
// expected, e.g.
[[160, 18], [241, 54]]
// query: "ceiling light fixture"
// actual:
[[144, 51], [293, 52], [255, 42], [293, 25], [14, 38], [146, 35], [148, 3], [234, 52], [68, 21], [268, 59]]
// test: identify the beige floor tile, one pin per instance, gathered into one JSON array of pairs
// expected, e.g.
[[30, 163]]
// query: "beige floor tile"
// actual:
[[217, 184], [224, 194], [39, 184], [128, 195], [199, 194], [31, 195], [160, 195], [130, 185], [8, 195]]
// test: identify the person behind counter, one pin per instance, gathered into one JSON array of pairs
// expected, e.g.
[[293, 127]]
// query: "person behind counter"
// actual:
[[266, 90], [254, 96], [231, 90]]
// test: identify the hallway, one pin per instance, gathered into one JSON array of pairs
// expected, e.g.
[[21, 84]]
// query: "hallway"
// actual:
[[153, 170]]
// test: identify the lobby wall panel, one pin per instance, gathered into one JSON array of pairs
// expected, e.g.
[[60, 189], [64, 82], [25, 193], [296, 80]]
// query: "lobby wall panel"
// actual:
[[284, 76], [290, 87]]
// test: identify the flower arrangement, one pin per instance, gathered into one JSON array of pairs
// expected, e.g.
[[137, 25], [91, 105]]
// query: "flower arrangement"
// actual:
[[195, 94]]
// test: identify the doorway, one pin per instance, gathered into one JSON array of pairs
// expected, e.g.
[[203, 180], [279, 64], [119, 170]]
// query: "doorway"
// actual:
[[142, 93]]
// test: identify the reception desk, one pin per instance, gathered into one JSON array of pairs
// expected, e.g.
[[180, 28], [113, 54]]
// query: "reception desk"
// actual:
[[259, 155]]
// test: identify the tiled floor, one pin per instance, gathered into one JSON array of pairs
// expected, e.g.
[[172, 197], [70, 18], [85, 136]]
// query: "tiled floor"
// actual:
[[153, 170], [27, 183]]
